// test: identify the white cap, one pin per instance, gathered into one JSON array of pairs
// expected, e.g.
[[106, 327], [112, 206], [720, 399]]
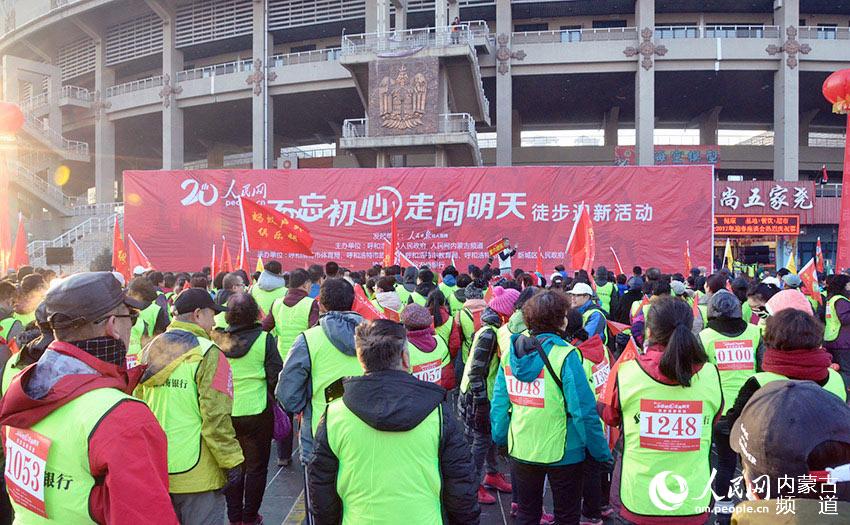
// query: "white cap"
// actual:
[[772, 280], [581, 289], [139, 270], [120, 277]]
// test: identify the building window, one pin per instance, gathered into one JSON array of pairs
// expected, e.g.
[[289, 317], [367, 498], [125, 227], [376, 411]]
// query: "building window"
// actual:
[[827, 31], [680, 30], [301, 49], [530, 28], [734, 31], [570, 33], [602, 24]]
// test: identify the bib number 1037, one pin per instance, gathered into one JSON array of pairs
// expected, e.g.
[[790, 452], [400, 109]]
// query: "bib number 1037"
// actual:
[[671, 426], [26, 460]]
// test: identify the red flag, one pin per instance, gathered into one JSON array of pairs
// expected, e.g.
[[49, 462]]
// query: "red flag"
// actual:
[[616, 327], [695, 307], [392, 315], [120, 263], [391, 248], [226, 262], [363, 306], [20, 257], [617, 262], [213, 263], [539, 267], [808, 274], [243, 256], [688, 265], [629, 353], [135, 255], [488, 295], [824, 175], [581, 247], [268, 229], [819, 257]]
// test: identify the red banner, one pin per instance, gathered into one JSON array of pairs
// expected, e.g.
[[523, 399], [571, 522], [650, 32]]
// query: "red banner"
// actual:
[[443, 213], [755, 225], [496, 248]]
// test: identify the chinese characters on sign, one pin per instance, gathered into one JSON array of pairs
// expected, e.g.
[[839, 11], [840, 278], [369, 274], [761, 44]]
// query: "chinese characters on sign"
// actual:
[[764, 197], [754, 225], [671, 155]]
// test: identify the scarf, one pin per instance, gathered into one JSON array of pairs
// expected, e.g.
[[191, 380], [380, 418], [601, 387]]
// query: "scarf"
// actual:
[[389, 300], [106, 349], [809, 363], [423, 339]]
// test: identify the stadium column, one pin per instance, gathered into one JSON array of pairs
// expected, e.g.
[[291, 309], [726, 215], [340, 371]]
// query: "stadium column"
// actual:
[[262, 104], [504, 90], [644, 90], [454, 10], [786, 99], [172, 63], [611, 126], [440, 13], [378, 16], [104, 129], [400, 15], [708, 125]]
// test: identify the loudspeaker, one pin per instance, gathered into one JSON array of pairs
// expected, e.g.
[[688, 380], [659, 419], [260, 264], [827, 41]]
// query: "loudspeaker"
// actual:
[[58, 256]]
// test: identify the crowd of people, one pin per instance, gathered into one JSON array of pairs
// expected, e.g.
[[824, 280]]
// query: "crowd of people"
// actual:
[[415, 396]]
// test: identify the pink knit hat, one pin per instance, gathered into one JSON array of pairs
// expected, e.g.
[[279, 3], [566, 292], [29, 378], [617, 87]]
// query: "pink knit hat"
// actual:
[[788, 299], [503, 300]]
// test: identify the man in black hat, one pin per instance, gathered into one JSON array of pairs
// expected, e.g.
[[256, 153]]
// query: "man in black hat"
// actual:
[[71, 417], [189, 386], [791, 436]]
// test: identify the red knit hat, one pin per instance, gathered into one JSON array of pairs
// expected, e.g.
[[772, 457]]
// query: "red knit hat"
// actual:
[[503, 300]]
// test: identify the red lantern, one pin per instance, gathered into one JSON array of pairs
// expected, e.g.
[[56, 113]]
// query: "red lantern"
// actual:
[[11, 118], [836, 89]]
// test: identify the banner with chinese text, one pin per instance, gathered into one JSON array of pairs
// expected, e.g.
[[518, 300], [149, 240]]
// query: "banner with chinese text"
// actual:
[[442, 213], [671, 155], [765, 197], [756, 225]]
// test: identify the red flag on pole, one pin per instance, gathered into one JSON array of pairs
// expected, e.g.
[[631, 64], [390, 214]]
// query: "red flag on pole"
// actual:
[[243, 256], [20, 257], [688, 265], [213, 263], [226, 262], [120, 263], [539, 267], [629, 353], [488, 294], [268, 229], [363, 306], [617, 262], [135, 255], [581, 247], [819, 257], [824, 175], [616, 327], [391, 248], [808, 274]]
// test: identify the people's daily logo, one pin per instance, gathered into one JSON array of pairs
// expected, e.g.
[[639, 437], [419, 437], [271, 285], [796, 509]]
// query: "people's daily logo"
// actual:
[[662, 496]]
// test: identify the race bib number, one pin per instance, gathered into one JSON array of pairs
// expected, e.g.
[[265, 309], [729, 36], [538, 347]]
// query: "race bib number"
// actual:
[[734, 355], [600, 373], [26, 459], [132, 361], [430, 372], [671, 426], [530, 394]]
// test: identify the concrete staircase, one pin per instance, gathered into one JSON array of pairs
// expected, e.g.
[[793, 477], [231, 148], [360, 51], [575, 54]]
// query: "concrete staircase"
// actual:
[[87, 239]]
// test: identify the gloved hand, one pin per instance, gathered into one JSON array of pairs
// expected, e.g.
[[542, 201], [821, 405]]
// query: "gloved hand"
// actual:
[[620, 342], [233, 476], [482, 417]]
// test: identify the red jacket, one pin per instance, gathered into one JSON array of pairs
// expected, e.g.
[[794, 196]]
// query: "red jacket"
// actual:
[[128, 449]]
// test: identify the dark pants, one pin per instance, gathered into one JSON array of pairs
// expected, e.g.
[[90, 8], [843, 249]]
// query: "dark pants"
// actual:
[[566, 484], [284, 446], [483, 452], [254, 434], [727, 459], [596, 488]]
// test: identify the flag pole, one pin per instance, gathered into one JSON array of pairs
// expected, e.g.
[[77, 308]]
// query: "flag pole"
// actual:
[[573, 232]]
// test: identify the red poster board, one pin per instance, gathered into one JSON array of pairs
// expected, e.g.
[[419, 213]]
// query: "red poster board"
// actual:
[[756, 225]]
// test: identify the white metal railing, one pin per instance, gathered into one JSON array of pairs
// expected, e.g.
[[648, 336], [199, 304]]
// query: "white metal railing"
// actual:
[[135, 85], [76, 93], [100, 208], [36, 249], [733, 31], [46, 190], [227, 68], [446, 123], [330, 54], [355, 128], [824, 33], [682, 31], [308, 153], [477, 73], [830, 189], [31, 103], [407, 40], [575, 35], [37, 128], [238, 159], [479, 28]]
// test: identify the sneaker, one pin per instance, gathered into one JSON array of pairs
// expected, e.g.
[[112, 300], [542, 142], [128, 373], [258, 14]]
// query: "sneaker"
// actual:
[[514, 509], [484, 496], [497, 481], [590, 521], [546, 518], [608, 511]]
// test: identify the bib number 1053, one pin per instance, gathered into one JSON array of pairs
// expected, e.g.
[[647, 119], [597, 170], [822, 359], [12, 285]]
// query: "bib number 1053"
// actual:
[[671, 426], [26, 459]]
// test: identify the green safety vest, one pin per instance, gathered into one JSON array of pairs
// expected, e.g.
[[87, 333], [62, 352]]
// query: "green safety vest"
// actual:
[[455, 304], [386, 478], [833, 323], [418, 298], [220, 321], [448, 292], [67, 478], [605, 292], [289, 322], [327, 366], [403, 294], [444, 331], [265, 299], [249, 379], [25, 319], [6, 327], [503, 336], [735, 358], [597, 373], [175, 405], [10, 370], [493, 367], [585, 317], [537, 432], [144, 326], [834, 384], [428, 366], [467, 330], [668, 433]]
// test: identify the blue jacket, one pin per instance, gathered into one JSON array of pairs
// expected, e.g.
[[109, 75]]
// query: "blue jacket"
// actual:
[[584, 431], [596, 324]]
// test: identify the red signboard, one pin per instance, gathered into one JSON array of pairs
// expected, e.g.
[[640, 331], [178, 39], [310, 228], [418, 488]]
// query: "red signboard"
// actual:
[[442, 213], [756, 225], [671, 155]]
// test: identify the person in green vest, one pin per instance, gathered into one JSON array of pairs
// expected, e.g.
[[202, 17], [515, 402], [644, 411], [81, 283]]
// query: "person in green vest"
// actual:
[[837, 334], [153, 319], [188, 384], [31, 349], [445, 325], [793, 431], [476, 392], [469, 319], [758, 294], [232, 284], [169, 281], [9, 326], [255, 362], [31, 291], [71, 415], [388, 450], [458, 297], [595, 322], [544, 412], [270, 286], [318, 360], [449, 285], [430, 357], [735, 347], [605, 289], [407, 285], [424, 286], [667, 400], [386, 297]]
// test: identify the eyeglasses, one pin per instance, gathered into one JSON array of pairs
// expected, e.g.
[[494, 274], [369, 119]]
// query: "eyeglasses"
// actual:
[[133, 316]]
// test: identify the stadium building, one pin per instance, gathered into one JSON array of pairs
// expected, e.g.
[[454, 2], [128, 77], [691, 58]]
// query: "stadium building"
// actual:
[[111, 85]]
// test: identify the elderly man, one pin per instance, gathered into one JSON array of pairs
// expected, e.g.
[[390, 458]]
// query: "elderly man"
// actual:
[[71, 417]]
